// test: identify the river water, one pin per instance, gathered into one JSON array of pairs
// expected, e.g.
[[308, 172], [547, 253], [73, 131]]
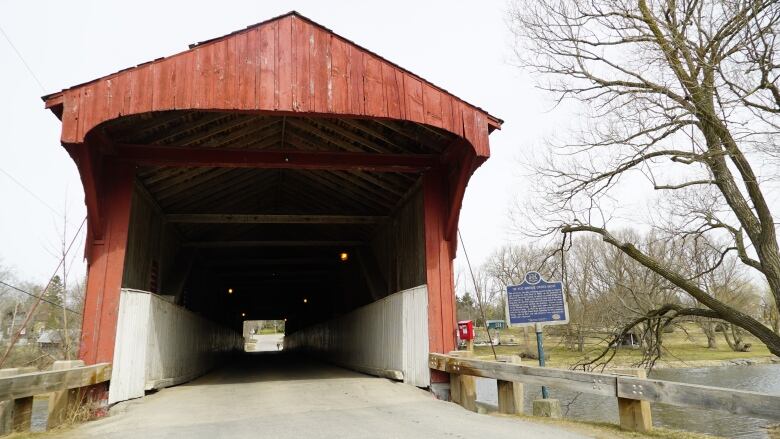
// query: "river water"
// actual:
[[760, 378]]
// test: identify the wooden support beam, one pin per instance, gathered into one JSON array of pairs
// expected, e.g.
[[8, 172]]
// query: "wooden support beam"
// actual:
[[635, 415], [226, 218], [63, 402], [152, 155], [219, 244], [22, 415], [510, 393]]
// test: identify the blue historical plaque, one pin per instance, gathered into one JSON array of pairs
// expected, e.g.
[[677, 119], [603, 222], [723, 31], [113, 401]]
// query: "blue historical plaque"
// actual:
[[536, 301]]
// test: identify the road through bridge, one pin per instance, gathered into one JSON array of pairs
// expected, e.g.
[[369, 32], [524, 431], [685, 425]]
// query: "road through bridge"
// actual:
[[274, 395]]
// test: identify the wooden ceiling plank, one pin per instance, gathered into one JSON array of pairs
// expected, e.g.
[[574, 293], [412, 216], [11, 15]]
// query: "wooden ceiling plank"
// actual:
[[338, 187], [280, 243], [238, 183], [359, 184], [226, 218], [317, 123], [298, 135]]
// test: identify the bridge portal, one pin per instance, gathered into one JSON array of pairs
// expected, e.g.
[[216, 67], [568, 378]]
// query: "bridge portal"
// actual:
[[278, 172]]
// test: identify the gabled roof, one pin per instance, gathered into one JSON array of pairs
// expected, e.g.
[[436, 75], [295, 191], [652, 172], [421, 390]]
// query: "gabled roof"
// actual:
[[286, 64]]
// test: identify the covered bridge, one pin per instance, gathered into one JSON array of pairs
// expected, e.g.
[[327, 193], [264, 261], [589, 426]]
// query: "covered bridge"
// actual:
[[278, 172]]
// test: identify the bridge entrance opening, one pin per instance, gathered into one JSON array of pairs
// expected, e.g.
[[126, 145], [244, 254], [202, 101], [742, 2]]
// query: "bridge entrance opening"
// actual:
[[304, 243]]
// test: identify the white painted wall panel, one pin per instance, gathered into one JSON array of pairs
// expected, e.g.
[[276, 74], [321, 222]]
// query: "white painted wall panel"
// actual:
[[160, 344], [388, 335]]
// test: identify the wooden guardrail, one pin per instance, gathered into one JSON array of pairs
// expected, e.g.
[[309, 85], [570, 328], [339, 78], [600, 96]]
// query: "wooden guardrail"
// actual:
[[628, 389], [65, 384]]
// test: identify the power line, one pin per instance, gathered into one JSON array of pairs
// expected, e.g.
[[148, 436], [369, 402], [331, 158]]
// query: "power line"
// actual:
[[30, 192], [15, 337], [479, 297], [39, 297], [21, 58]]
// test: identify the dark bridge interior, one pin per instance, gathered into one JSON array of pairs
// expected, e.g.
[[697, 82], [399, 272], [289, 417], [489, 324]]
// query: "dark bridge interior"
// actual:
[[236, 243]]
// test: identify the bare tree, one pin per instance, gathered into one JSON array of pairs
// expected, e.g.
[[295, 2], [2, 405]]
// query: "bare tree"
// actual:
[[681, 94]]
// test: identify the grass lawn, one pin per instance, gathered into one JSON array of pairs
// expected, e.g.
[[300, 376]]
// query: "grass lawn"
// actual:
[[681, 347]]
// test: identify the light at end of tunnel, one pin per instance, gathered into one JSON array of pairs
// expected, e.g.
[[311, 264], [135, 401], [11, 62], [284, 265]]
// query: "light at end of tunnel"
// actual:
[[344, 256], [230, 290]]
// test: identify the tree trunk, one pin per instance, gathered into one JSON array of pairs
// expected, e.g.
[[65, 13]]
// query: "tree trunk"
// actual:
[[708, 328]]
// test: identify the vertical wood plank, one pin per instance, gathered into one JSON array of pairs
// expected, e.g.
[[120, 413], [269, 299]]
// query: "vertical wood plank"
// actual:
[[22, 415], [635, 415], [217, 72], [339, 77], [70, 116], [356, 91], [231, 74], [432, 186], [163, 84], [469, 129], [301, 48], [374, 99], [201, 76], [86, 109], [455, 390], [284, 65], [185, 72], [399, 80], [320, 70], [113, 98], [446, 112], [510, 394], [391, 91], [468, 392], [457, 117], [414, 99], [141, 89], [246, 70], [432, 105], [266, 95]]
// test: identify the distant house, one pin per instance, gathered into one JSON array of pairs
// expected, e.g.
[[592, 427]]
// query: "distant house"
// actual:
[[50, 339], [496, 324]]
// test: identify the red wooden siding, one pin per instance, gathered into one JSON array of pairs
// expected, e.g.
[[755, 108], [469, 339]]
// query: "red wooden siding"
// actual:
[[288, 64]]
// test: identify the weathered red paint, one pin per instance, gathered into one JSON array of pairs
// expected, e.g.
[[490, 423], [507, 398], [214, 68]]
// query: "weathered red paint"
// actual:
[[287, 65], [106, 265], [438, 263]]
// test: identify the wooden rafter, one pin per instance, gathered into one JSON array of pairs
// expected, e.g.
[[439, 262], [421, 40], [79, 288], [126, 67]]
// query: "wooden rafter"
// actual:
[[223, 218]]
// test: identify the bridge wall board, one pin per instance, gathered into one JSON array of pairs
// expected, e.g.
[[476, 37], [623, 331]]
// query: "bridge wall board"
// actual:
[[399, 246], [151, 246], [382, 338], [160, 344]]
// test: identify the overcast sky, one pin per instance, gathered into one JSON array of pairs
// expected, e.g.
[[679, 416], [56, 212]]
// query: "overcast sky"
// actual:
[[464, 47]]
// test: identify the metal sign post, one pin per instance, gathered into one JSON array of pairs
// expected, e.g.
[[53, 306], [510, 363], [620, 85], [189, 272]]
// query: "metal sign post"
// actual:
[[537, 302], [540, 350]]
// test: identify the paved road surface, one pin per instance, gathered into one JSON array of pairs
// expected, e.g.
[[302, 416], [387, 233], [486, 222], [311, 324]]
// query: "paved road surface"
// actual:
[[273, 395]]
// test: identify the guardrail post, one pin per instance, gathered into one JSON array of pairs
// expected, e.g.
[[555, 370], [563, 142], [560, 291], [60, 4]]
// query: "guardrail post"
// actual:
[[510, 393], [22, 416], [60, 402], [7, 406], [635, 415], [463, 388]]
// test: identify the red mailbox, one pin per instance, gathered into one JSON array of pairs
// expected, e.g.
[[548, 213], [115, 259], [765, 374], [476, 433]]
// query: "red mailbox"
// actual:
[[466, 330]]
